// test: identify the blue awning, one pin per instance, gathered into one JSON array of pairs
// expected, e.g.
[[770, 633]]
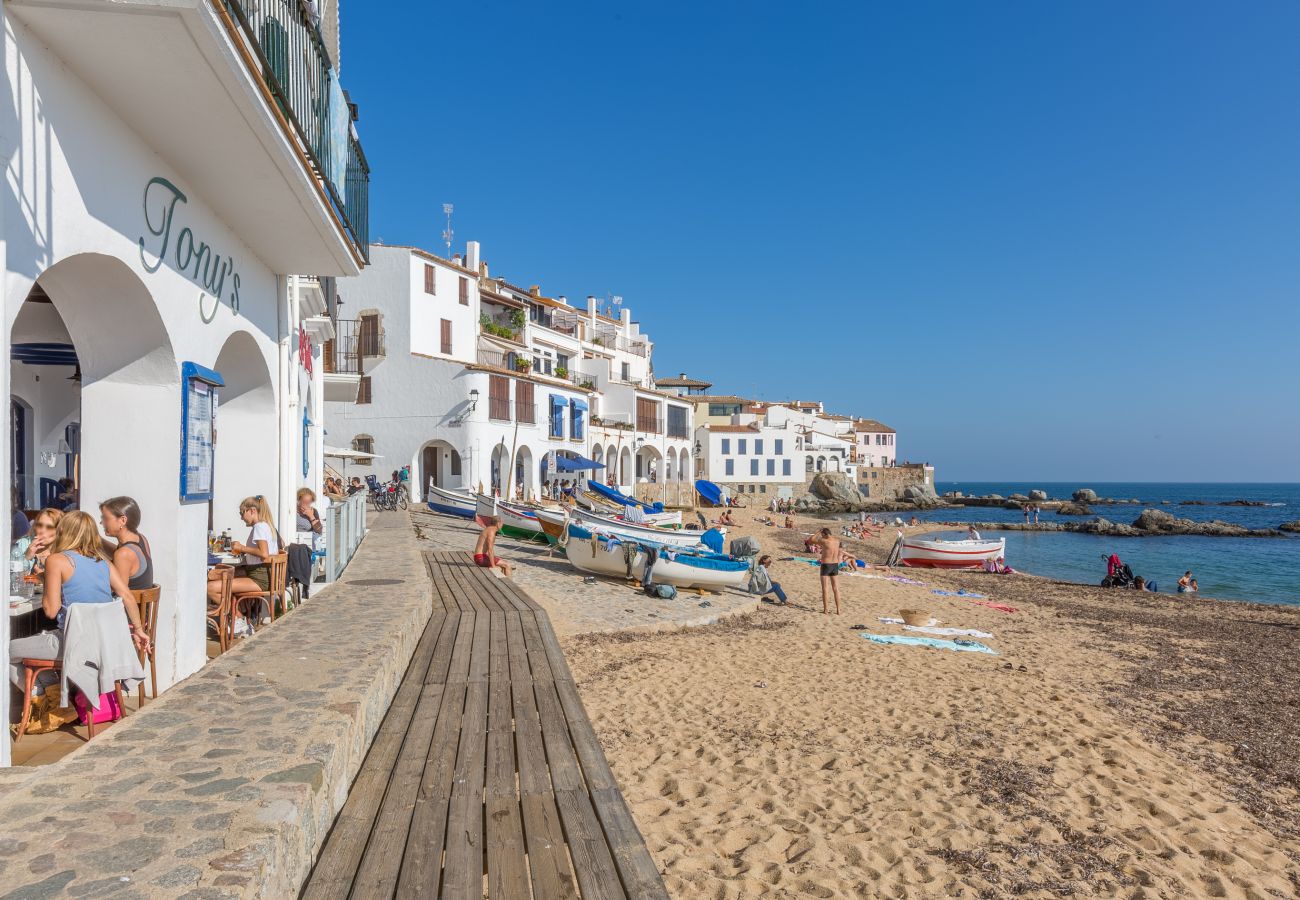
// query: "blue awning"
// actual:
[[558, 401], [575, 464], [579, 404]]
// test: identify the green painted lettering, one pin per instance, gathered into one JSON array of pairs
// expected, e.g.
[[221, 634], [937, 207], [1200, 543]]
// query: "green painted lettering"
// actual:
[[166, 198]]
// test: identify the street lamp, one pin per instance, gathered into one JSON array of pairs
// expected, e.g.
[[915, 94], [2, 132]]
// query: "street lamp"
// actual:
[[473, 400]]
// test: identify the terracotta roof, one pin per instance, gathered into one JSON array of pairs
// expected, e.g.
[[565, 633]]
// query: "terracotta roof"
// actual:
[[716, 398], [873, 426], [732, 429], [683, 381]]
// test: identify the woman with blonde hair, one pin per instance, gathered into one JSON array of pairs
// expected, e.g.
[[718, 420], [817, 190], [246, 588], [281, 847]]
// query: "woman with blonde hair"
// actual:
[[75, 572], [252, 575]]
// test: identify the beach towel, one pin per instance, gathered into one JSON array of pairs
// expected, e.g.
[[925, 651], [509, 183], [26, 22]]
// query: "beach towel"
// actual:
[[930, 629], [901, 580], [966, 646], [1000, 607], [961, 593]]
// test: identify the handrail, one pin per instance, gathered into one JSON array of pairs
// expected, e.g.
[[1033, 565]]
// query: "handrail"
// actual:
[[296, 67]]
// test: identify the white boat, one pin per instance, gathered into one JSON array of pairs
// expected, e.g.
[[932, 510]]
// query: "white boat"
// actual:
[[516, 521], [941, 554], [589, 552], [627, 530], [452, 503], [666, 519]]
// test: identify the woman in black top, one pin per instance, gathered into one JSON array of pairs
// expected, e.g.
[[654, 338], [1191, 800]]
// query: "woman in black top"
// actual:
[[120, 518]]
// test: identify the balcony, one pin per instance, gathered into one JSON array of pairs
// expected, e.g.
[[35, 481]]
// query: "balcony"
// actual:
[[342, 363], [241, 103], [513, 362], [649, 425], [636, 348], [499, 409]]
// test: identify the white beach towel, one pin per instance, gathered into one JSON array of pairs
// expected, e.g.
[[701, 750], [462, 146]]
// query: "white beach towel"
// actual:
[[930, 629]]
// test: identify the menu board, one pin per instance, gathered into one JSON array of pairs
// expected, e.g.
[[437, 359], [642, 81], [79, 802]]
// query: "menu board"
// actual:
[[198, 436]]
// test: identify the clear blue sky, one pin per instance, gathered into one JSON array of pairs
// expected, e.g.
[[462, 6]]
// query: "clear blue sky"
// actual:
[[1043, 240]]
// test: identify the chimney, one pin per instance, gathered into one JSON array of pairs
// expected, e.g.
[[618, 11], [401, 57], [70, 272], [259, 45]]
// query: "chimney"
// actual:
[[455, 257], [591, 307], [627, 318], [471, 256]]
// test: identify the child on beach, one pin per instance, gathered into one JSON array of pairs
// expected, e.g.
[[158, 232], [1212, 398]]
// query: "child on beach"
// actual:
[[1187, 584]]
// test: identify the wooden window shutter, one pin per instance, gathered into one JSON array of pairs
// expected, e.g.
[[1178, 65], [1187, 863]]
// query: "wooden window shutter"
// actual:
[[464, 291], [525, 411], [430, 280], [446, 336], [363, 390]]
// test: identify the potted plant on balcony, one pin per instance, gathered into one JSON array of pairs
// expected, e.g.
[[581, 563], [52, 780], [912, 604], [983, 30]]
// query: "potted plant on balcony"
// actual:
[[523, 365], [561, 372], [598, 341]]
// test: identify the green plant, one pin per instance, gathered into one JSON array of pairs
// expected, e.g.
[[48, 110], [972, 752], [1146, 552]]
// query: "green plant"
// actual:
[[523, 365], [518, 319], [598, 341], [561, 372]]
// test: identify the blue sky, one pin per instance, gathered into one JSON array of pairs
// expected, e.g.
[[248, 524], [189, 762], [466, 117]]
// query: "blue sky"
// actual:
[[1042, 240]]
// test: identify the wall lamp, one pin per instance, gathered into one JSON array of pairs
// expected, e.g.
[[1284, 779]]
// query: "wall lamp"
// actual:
[[473, 400]]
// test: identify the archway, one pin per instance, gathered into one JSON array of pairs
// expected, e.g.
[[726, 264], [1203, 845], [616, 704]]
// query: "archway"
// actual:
[[625, 475], [440, 464], [497, 485], [834, 464], [670, 467], [821, 464], [523, 485], [245, 445], [112, 397], [684, 467], [649, 464]]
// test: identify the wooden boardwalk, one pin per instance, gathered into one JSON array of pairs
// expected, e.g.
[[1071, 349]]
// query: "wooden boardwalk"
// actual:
[[485, 779]]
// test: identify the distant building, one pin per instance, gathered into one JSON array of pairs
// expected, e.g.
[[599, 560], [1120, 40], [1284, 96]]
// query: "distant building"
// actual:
[[683, 386]]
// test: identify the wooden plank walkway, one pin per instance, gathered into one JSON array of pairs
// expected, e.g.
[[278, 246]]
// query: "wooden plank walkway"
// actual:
[[485, 779]]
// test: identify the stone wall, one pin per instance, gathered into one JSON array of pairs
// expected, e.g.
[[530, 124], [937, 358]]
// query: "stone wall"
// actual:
[[888, 482], [226, 786]]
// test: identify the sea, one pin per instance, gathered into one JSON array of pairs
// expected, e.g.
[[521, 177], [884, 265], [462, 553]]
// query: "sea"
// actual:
[[1265, 570]]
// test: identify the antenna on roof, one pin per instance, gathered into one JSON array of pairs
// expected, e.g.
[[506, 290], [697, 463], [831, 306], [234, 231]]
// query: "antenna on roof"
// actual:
[[447, 233], [614, 303]]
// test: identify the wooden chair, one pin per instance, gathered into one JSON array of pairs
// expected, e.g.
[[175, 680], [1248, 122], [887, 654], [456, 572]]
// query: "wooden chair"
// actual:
[[278, 565], [147, 600], [221, 616], [34, 667]]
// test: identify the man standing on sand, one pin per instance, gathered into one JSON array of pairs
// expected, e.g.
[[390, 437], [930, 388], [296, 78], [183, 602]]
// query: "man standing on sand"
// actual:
[[832, 554]]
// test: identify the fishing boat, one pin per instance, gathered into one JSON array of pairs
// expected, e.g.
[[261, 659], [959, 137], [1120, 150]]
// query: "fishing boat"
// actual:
[[451, 503], [631, 531], [590, 552], [620, 499], [553, 523], [940, 554], [516, 521]]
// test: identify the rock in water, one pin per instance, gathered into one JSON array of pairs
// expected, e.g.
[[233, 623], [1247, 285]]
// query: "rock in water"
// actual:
[[1019, 498], [1159, 520], [1074, 509], [1085, 495], [1290, 526], [922, 495], [1037, 495]]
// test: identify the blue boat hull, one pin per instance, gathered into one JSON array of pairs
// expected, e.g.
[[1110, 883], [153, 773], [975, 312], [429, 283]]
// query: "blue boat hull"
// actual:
[[449, 510]]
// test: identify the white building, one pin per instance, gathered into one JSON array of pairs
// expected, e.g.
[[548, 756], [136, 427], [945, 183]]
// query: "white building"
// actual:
[[874, 443], [157, 205], [481, 383]]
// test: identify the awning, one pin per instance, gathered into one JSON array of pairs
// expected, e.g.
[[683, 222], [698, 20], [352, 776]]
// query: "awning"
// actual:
[[336, 453], [579, 404], [559, 401], [576, 464]]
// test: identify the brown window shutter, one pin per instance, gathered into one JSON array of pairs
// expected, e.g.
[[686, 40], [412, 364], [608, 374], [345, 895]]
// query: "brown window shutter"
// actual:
[[499, 398], [446, 336], [525, 411], [430, 281], [327, 355], [363, 391], [464, 292]]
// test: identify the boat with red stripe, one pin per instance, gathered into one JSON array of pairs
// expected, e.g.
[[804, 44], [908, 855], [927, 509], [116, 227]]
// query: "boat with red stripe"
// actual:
[[936, 553]]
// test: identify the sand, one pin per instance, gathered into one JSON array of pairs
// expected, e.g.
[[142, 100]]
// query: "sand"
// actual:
[[781, 755]]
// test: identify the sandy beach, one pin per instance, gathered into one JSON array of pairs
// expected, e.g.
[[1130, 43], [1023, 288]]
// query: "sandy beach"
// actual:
[[1118, 745]]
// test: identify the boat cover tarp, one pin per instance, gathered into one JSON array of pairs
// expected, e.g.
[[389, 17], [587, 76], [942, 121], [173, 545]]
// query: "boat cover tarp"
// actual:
[[576, 464], [698, 559], [609, 493], [709, 492]]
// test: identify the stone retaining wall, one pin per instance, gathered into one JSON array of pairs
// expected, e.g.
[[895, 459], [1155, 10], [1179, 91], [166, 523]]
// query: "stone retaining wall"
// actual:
[[226, 786]]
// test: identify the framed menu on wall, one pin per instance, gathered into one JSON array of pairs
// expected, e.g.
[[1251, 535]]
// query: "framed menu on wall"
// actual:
[[198, 430]]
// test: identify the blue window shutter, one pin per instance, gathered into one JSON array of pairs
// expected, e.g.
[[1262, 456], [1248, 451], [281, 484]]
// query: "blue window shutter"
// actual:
[[753, 467], [731, 467], [780, 446], [743, 445], [726, 445], [758, 447], [785, 467], [771, 467]]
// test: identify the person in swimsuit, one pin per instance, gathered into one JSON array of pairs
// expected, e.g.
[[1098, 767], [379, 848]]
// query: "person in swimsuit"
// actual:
[[486, 546], [120, 519], [832, 554]]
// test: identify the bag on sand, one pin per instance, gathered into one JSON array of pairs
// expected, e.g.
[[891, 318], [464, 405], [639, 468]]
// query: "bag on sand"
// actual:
[[49, 713]]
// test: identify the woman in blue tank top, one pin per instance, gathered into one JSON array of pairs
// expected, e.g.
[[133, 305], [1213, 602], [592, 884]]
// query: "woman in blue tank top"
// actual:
[[76, 572]]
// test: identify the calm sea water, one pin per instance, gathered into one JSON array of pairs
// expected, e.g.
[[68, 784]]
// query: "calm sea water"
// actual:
[[1260, 569]]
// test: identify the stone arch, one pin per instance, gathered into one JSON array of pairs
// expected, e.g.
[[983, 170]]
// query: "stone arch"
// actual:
[[245, 446], [440, 463], [523, 475], [670, 465]]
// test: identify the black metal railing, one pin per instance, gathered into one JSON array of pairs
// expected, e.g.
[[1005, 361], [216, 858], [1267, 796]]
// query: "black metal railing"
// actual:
[[341, 354], [296, 67]]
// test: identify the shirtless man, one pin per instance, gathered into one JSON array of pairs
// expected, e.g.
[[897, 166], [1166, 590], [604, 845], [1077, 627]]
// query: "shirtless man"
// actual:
[[486, 546], [832, 554]]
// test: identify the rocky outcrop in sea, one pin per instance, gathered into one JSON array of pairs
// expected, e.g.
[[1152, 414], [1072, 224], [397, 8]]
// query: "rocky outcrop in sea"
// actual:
[[1150, 522]]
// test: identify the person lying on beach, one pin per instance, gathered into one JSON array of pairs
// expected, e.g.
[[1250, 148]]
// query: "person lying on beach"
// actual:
[[832, 554], [486, 546]]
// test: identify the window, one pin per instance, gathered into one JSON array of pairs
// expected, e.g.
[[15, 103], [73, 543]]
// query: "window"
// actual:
[[627, 372], [677, 426], [771, 467], [525, 411], [576, 414], [731, 467], [430, 280], [647, 416], [780, 446], [363, 390], [558, 405], [785, 467], [726, 445], [446, 336], [369, 335], [742, 446], [561, 361], [363, 443], [499, 398], [724, 409], [758, 446], [464, 291], [753, 467]]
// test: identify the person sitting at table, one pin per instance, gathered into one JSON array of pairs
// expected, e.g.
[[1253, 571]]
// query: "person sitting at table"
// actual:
[[334, 489], [67, 498], [33, 548], [120, 518], [252, 575], [77, 571], [308, 518]]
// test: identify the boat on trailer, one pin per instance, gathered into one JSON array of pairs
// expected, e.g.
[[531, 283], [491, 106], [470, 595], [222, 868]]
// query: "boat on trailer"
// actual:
[[590, 552], [924, 553]]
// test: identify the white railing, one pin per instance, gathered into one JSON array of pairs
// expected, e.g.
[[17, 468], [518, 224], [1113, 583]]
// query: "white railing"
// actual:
[[345, 526]]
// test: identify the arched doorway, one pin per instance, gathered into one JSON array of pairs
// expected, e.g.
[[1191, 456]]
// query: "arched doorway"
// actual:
[[821, 464], [245, 447], [670, 467], [500, 469], [684, 467], [625, 474], [440, 464], [649, 464], [523, 485], [114, 400]]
